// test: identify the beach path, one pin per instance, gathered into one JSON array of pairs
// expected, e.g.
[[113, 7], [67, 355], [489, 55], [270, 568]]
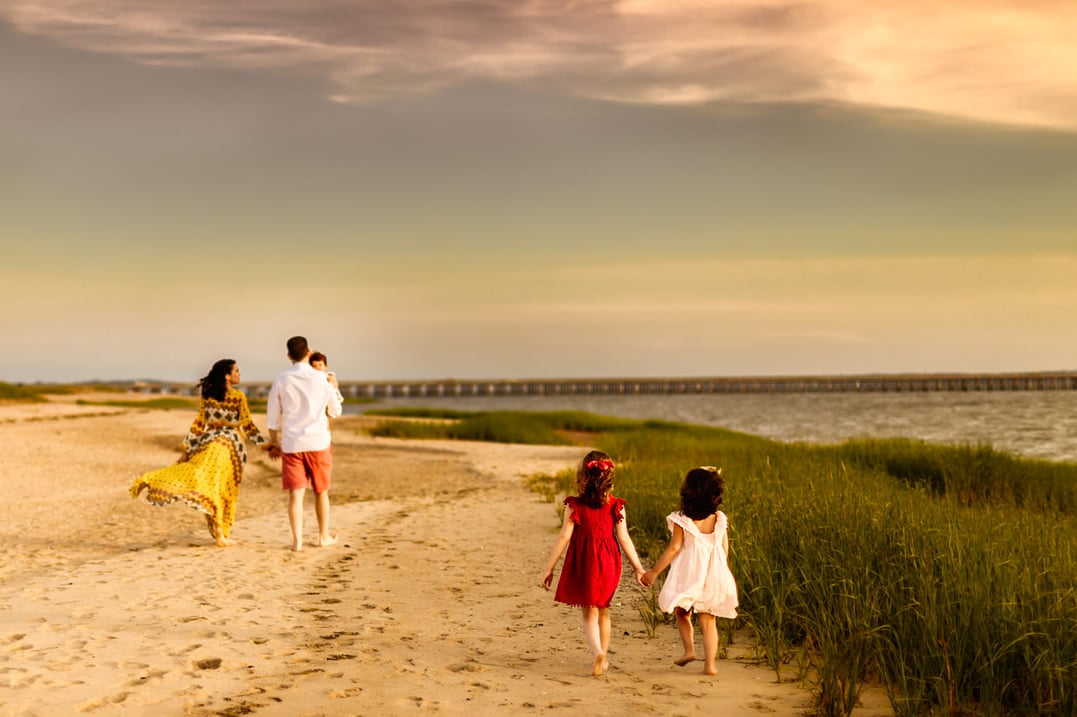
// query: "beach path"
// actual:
[[430, 602]]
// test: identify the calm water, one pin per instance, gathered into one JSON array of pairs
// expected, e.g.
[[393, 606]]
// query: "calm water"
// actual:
[[1030, 423]]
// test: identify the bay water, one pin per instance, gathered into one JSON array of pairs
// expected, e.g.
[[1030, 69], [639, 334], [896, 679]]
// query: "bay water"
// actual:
[[1037, 424]]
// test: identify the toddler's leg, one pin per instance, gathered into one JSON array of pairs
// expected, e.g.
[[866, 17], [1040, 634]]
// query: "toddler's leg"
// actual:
[[593, 633], [684, 628], [710, 643]]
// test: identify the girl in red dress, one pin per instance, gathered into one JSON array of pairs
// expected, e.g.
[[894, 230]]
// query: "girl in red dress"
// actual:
[[593, 528]]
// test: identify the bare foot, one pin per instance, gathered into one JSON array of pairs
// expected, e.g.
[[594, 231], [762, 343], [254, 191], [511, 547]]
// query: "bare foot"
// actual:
[[222, 542], [297, 548], [326, 542], [710, 670], [600, 666], [682, 661]]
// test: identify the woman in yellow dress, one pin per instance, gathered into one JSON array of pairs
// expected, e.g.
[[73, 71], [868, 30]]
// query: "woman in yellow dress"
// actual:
[[207, 475]]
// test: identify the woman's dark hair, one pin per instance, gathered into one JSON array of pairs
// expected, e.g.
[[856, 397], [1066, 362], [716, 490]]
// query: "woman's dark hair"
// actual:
[[213, 384], [319, 356], [701, 492], [594, 479]]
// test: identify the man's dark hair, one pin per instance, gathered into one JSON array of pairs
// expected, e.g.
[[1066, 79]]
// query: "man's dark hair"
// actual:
[[298, 348]]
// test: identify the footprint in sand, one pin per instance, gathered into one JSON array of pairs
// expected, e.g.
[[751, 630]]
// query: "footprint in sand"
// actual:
[[466, 667], [184, 650]]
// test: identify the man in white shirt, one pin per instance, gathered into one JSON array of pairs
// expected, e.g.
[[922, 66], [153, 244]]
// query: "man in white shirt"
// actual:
[[301, 402]]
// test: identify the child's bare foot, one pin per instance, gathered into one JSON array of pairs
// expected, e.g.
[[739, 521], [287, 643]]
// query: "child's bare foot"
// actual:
[[600, 666], [682, 661], [710, 670], [223, 542], [297, 548], [325, 542]]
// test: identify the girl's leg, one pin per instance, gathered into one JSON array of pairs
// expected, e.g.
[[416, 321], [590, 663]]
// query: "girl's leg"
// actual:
[[593, 633], [684, 628], [604, 629], [710, 643]]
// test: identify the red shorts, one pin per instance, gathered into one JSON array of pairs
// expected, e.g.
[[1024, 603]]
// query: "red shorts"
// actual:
[[309, 468]]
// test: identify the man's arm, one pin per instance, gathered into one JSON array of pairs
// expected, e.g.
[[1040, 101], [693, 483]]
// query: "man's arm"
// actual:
[[273, 420]]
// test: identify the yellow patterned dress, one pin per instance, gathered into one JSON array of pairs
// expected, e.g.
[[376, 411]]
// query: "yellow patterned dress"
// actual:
[[209, 480]]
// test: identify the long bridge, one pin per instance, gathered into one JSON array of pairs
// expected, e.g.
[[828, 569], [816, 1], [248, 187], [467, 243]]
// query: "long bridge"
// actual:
[[871, 383]]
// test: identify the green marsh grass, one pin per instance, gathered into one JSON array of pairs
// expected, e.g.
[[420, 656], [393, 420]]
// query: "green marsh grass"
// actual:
[[946, 573], [21, 394], [540, 428], [37, 392], [405, 412], [156, 403]]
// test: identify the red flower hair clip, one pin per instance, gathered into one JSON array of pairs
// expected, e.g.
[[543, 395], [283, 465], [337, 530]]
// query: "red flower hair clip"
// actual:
[[603, 465]]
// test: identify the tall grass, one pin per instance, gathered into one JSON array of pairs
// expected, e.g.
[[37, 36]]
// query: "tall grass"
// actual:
[[952, 604], [947, 573], [539, 428], [165, 403], [19, 393], [36, 392]]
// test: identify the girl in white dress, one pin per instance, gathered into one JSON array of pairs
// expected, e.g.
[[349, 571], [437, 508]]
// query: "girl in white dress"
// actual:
[[699, 579]]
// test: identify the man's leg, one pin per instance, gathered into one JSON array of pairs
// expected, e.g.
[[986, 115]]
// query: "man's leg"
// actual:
[[321, 508], [295, 516]]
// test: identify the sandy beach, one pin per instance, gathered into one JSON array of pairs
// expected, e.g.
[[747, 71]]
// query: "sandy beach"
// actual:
[[430, 603]]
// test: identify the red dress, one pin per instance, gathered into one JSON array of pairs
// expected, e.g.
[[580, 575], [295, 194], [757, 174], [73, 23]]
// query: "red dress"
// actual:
[[592, 568]]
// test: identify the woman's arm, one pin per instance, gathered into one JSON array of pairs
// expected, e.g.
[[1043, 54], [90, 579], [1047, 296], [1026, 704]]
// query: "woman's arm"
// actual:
[[558, 547], [198, 427], [676, 542], [246, 423]]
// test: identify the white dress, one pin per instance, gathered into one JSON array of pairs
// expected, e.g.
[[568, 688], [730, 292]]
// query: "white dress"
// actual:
[[699, 578]]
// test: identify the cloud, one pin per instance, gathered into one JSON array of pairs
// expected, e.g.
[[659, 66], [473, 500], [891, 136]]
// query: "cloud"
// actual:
[[1000, 61]]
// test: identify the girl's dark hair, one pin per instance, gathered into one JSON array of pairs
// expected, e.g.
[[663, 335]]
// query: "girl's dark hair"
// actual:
[[594, 479], [701, 492], [319, 356], [213, 384]]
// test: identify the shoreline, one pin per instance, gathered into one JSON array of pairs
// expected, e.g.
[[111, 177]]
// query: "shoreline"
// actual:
[[431, 599]]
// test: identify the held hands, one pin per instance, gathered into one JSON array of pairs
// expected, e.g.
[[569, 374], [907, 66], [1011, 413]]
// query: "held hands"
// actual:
[[648, 578], [273, 450], [641, 577]]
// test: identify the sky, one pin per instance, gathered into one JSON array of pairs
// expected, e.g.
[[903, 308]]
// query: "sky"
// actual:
[[536, 188]]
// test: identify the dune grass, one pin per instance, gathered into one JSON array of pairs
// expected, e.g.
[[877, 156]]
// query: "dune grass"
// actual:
[[537, 428], [158, 403], [946, 573], [18, 393]]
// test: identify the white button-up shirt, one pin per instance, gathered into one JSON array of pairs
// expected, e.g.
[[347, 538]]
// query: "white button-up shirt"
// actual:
[[301, 402]]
